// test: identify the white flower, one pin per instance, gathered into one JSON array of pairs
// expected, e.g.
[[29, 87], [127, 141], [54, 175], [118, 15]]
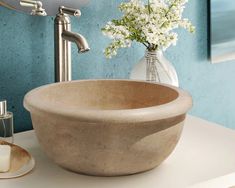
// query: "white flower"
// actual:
[[151, 24]]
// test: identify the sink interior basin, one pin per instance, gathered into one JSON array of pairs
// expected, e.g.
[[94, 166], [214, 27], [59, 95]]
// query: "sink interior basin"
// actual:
[[108, 127], [108, 95]]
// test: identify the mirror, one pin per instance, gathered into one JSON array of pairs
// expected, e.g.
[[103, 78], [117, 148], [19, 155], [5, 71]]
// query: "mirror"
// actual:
[[222, 30], [51, 6]]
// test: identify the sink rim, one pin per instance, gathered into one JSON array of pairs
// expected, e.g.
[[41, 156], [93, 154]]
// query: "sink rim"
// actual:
[[176, 107]]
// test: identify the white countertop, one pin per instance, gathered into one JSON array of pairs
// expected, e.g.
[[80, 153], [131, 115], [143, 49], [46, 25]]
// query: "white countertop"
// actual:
[[227, 181], [205, 151]]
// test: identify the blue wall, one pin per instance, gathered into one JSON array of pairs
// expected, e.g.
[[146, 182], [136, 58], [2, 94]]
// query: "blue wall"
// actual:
[[26, 60]]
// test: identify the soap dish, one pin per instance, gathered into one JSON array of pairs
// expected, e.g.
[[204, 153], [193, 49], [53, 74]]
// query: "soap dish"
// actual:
[[21, 162]]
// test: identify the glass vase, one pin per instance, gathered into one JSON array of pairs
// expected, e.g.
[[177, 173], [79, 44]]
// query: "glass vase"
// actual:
[[154, 67]]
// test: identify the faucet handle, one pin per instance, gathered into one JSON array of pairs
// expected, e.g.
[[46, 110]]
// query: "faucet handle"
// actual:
[[70, 11]]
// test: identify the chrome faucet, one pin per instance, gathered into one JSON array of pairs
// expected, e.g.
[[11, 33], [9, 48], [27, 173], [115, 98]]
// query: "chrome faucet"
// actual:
[[63, 39]]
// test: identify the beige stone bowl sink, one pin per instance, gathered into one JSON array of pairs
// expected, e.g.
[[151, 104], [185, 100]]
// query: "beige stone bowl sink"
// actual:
[[108, 127]]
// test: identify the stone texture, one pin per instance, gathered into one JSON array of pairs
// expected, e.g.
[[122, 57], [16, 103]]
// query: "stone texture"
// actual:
[[108, 127]]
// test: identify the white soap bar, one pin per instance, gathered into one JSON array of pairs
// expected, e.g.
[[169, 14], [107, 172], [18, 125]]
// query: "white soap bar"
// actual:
[[5, 158]]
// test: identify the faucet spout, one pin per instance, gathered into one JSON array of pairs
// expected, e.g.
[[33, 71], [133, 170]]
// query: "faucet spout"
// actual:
[[78, 39]]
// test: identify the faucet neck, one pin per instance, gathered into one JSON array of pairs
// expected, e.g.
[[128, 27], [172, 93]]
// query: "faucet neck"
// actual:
[[63, 39], [62, 19], [62, 49]]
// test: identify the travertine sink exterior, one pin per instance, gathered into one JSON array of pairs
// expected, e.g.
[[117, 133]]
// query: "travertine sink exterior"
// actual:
[[108, 127]]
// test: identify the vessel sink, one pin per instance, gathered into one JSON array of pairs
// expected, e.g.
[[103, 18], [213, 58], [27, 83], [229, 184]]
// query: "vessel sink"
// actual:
[[108, 127]]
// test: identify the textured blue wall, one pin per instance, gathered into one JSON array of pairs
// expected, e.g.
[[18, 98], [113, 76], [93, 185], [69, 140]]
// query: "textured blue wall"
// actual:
[[26, 60]]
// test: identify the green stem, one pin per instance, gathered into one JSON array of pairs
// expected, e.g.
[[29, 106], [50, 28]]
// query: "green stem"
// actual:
[[145, 45], [149, 8], [168, 12]]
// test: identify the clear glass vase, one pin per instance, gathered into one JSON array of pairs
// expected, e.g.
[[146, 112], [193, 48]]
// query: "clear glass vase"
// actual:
[[154, 67]]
